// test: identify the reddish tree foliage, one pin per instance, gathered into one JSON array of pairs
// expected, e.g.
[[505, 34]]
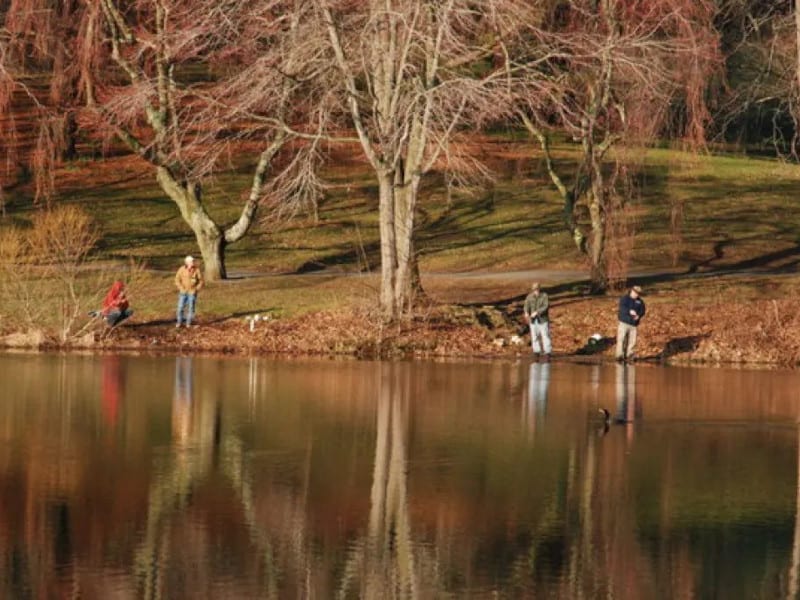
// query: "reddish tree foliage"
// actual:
[[621, 70], [185, 83]]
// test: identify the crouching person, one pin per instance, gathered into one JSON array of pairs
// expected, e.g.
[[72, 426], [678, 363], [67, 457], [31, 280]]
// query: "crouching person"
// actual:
[[115, 305]]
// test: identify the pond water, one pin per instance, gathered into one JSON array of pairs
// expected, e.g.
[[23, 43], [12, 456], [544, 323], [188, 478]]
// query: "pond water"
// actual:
[[190, 477]]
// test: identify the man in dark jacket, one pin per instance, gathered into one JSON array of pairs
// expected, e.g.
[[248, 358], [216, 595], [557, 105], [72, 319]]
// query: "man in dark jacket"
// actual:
[[631, 311], [537, 309]]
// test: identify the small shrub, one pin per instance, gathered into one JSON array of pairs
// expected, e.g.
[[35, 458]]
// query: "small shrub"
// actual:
[[47, 279]]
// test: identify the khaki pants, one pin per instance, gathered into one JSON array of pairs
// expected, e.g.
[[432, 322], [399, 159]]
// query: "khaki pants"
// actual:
[[626, 340], [541, 330]]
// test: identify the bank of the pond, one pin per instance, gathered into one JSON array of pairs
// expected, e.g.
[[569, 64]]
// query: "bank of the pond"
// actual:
[[759, 332]]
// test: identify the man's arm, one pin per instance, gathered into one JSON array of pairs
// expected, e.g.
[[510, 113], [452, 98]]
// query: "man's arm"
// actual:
[[624, 310]]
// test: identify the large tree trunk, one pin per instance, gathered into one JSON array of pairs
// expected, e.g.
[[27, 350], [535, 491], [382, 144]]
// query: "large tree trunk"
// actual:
[[212, 248], [210, 238], [69, 134], [597, 206], [598, 275], [408, 177], [388, 246], [405, 208], [797, 40]]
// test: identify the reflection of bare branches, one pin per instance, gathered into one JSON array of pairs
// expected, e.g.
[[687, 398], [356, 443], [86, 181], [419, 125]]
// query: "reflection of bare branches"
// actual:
[[235, 467], [200, 447]]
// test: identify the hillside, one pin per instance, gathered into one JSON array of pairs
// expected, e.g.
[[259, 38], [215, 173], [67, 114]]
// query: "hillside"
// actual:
[[711, 234]]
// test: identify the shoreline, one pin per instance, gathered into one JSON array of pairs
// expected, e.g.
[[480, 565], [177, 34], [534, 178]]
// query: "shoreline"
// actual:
[[669, 335]]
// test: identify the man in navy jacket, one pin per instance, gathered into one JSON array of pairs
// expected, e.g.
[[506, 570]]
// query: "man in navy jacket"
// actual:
[[631, 311]]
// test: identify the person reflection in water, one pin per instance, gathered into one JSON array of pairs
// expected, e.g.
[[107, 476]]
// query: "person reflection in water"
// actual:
[[628, 408], [626, 394], [113, 384], [538, 387], [182, 400]]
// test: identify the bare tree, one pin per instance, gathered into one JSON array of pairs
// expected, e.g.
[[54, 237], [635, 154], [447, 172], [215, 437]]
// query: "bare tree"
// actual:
[[622, 67], [759, 98], [412, 74], [176, 88], [6, 86]]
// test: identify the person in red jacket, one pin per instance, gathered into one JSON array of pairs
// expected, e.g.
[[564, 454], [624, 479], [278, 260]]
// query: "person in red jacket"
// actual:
[[115, 305]]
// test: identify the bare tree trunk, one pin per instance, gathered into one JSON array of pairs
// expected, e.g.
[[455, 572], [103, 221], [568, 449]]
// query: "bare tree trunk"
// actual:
[[212, 248], [570, 196], [797, 38], [408, 177], [210, 238], [405, 203], [388, 246], [598, 274], [69, 150]]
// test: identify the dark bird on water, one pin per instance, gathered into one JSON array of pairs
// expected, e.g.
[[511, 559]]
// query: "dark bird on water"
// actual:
[[607, 417]]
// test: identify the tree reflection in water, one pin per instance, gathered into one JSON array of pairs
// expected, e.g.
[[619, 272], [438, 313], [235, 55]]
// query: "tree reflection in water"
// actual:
[[384, 562], [403, 480]]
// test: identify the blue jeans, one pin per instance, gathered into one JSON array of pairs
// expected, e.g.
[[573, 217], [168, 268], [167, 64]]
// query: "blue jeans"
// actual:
[[186, 300]]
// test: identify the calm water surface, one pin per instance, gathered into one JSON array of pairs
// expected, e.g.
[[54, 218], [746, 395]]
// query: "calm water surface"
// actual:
[[177, 477]]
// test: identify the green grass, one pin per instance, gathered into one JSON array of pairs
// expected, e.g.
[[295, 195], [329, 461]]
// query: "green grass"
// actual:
[[737, 212]]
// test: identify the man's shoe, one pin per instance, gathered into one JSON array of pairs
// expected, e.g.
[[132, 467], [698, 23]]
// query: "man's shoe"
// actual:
[[546, 357], [177, 325]]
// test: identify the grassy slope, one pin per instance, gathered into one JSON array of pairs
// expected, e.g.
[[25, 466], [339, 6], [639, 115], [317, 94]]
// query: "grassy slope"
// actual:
[[736, 213]]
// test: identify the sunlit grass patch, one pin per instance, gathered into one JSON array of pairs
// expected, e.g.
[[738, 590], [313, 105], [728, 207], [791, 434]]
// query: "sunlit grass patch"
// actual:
[[692, 213]]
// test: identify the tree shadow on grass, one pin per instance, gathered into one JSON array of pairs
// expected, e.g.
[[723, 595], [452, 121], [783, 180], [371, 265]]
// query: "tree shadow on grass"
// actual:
[[779, 262]]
